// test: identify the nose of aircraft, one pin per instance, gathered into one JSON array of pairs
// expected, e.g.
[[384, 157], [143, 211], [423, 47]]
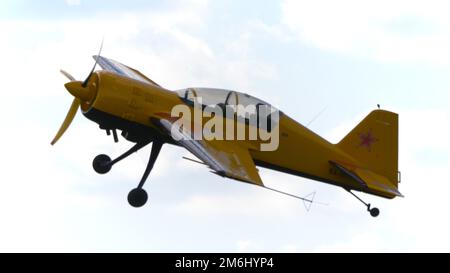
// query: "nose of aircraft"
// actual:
[[85, 94]]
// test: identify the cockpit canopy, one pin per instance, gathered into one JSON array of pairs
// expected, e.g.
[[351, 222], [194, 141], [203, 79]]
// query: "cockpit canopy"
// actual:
[[212, 96], [228, 99]]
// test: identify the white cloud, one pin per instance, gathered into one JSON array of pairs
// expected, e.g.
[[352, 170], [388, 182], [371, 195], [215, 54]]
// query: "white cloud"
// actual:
[[415, 222], [290, 248], [386, 31], [243, 245], [237, 204], [361, 242], [73, 2]]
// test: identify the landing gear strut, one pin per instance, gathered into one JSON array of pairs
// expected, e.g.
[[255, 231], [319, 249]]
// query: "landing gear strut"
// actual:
[[138, 196], [103, 163], [374, 212]]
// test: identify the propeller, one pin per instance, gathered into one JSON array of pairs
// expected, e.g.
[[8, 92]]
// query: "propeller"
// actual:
[[81, 92], [70, 115], [95, 64]]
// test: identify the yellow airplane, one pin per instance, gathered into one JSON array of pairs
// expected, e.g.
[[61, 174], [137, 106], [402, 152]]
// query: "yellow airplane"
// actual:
[[121, 98]]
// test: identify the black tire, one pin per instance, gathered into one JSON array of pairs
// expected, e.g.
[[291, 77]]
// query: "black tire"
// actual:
[[374, 212], [101, 164], [137, 197]]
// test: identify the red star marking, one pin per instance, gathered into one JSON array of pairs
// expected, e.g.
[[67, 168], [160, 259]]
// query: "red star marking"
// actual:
[[367, 140]]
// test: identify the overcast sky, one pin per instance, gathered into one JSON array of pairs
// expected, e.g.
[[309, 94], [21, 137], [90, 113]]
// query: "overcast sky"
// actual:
[[302, 56]]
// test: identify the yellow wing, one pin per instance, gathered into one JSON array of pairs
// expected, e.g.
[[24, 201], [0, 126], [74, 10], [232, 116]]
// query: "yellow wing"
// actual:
[[226, 158]]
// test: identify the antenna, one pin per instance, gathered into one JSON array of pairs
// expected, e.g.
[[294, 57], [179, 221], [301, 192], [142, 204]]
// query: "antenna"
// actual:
[[316, 116], [307, 200], [307, 203]]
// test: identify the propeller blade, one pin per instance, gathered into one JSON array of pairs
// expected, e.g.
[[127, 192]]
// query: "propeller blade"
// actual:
[[70, 77], [69, 117], [72, 87], [95, 64]]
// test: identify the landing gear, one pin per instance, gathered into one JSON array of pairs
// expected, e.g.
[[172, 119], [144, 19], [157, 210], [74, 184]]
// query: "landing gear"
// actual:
[[374, 212], [138, 197], [103, 163]]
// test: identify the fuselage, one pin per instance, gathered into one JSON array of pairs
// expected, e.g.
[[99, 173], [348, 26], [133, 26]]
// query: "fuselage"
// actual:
[[133, 106]]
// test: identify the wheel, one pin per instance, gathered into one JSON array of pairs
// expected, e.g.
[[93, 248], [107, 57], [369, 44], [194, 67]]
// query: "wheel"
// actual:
[[137, 197], [101, 164], [374, 212]]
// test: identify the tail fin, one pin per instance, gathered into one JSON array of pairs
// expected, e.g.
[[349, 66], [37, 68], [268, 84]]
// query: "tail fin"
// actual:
[[374, 143]]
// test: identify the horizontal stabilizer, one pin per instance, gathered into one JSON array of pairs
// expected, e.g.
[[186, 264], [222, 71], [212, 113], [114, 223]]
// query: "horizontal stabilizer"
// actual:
[[369, 181]]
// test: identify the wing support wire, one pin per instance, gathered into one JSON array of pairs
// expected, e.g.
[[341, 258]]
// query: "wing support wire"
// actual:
[[308, 199]]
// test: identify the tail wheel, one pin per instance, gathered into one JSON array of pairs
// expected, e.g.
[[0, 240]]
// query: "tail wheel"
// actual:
[[374, 212]]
